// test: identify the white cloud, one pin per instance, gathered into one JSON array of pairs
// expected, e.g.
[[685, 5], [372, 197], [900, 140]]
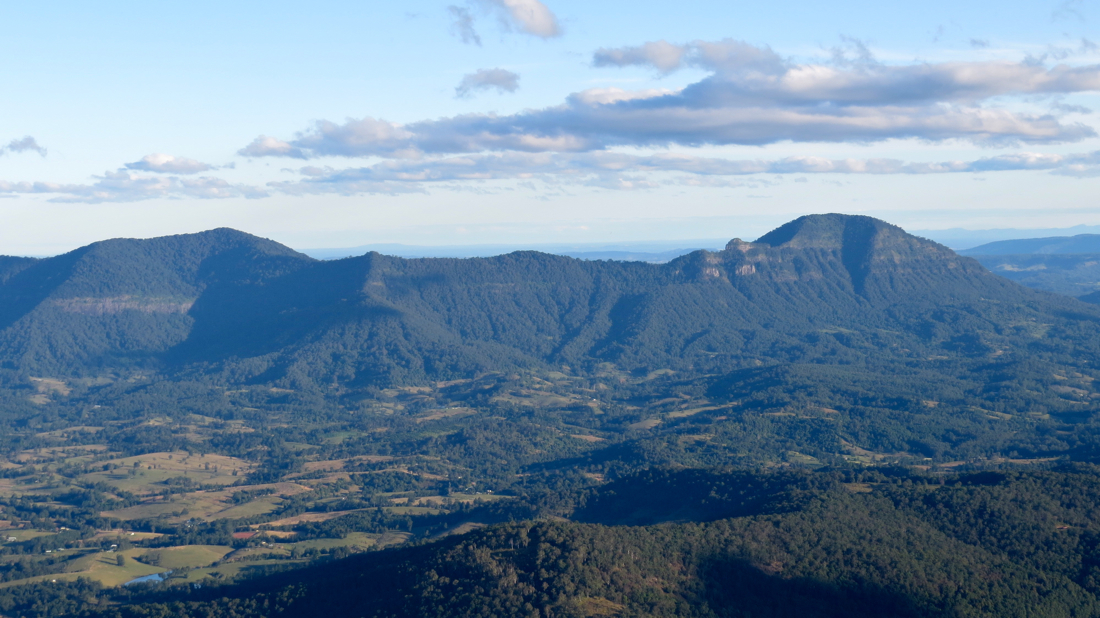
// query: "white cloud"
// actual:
[[604, 96], [530, 16], [264, 146], [753, 96], [661, 55], [487, 79], [169, 164], [23, 145]]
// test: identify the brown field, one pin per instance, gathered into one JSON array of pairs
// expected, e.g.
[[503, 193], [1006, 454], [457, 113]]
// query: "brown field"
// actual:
[[211, 505], [54, 453], [435, 415], [694, 411], [340, 464], [139, 474], [51, 386], [307, 517]]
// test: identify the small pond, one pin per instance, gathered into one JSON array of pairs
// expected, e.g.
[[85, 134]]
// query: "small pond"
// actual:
[[155, 578]]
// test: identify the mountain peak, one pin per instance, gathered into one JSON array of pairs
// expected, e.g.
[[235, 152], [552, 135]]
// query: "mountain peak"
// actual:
[[206, 242], [880, 258], [830, 231]]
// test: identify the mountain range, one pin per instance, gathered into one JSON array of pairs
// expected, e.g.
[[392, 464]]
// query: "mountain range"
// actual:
[[225, 299]]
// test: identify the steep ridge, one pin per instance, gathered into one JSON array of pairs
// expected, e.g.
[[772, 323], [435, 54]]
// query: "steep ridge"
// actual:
[[124, 300]]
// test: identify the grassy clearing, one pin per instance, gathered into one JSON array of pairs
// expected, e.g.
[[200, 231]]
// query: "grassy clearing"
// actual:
[[23, 534], [229, 570], [333, 465], [694, 411], [410, 510], [145, 473], [435, 415], [309, 517], [51, 386], [103, 568], [123, 534], [359, 540], [189, 556], [260, 506], [210, 505]]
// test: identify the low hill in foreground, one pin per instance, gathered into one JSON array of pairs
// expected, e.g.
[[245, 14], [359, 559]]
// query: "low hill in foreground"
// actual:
[[759, 544]]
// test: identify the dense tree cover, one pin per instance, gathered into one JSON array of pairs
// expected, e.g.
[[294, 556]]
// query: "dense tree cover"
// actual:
[[828, 543]]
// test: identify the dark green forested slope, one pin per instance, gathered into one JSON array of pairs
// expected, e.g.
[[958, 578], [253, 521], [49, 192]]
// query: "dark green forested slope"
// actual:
[[121, 302], [731, 544], [235, 302]]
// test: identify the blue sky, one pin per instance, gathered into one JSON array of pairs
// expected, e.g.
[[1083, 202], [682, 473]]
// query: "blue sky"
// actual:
[[520, 121]]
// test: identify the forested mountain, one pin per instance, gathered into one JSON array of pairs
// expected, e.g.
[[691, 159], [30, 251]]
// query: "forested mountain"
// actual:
[[122, 302], [231, 301]]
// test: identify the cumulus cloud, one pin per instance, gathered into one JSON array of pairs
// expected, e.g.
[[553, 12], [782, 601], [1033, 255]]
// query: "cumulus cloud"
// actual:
[[27, 143], [462, 25], [500, 80], [264, 146], [529, 16], [168, 164], [124, 186], [661, 55], [753, 96]]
